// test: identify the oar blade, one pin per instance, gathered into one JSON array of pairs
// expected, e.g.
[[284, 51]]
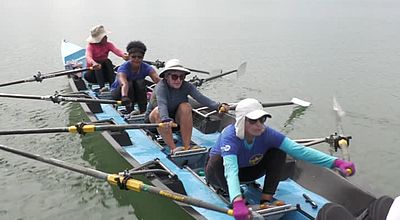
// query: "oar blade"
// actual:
[[241, 70], [300, 102], [338, 109]]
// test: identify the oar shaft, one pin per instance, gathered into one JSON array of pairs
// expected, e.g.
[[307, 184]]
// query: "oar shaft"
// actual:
[[35, 131], [14, 82], [198, 71], [113, 179], [40, 77], [186, 199], [57, 99], [266, 105], [85, 128], [125, 126], [102, 101], [6, 95], [59, 163], [46, 76], [220, 75]]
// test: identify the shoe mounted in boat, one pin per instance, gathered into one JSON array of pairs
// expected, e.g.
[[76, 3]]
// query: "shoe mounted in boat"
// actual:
[[104, 89], [193, 148], [177, 149], [268, 204]]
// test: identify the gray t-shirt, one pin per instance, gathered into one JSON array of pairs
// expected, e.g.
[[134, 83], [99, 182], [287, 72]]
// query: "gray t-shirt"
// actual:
[[168, 99]]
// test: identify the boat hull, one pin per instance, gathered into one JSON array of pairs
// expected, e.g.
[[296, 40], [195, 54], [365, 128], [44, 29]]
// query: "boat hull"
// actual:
[[143, 150]]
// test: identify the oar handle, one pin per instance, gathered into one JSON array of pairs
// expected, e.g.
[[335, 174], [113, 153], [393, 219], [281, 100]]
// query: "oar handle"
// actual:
[[349, 172]]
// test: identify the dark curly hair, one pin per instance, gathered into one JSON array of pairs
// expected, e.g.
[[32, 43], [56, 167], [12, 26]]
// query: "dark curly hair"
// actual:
[[136, 46]]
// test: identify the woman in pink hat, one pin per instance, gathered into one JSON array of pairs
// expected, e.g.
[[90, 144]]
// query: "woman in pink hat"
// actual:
[[97, 57]]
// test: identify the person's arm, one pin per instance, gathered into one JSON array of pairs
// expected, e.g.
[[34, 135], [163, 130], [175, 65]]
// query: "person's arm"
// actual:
[[154, 76], [308, 154], [162, 103], [123, 80], [231, 169], [202, 99], [117, 51], [89, 56]]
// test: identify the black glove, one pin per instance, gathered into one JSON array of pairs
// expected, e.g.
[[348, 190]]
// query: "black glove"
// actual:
[[126, 101]]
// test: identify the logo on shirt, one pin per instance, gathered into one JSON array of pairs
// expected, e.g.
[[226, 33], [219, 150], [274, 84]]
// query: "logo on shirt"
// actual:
[[226, 147], [255, 159]]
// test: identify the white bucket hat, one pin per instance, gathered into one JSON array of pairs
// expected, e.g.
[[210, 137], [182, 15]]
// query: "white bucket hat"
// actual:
[[173, 64], [97, 33], [247, 108]]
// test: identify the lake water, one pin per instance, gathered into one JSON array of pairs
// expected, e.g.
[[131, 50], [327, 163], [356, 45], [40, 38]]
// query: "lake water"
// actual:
[[310, 49]]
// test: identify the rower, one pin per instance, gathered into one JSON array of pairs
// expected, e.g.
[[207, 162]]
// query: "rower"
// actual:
[[170, 103], [250, 149]]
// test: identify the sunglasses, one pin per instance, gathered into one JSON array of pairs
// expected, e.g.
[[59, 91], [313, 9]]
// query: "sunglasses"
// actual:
[[136, 57], [176, 76], [261, 120]]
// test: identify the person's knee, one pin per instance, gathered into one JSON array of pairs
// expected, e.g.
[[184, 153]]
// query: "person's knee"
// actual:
[[277, 154], [185, 108], [154, 116], [141, 84]]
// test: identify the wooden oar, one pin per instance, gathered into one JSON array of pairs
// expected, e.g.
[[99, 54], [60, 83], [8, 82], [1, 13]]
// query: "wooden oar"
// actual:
[[40, 77], [60, 98], [82, 128], [160, 64], [115, 179]]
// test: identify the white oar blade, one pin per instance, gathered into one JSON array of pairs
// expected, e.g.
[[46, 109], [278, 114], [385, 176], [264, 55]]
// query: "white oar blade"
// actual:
[[241, 69], [337, 108], [300, 102]]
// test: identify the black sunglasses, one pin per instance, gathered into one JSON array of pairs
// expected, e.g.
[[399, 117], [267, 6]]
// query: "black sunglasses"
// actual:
[[176, 76], [261, 120], [136, 56]]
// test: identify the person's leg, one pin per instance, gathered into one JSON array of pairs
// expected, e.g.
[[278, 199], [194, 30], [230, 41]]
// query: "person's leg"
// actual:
[[185, 121], [108, 71], [274, 163], [90, 76], [215, 173], [140, 94], [131, 95], [99, 77], [116, 93], [165, 132], [271, 166]]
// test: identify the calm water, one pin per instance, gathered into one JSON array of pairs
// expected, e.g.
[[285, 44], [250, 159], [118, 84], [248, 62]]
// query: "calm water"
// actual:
[[310, 49]]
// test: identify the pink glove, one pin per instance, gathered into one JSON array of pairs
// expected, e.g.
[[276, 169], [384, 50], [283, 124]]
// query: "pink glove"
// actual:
[[240, 210], [347, 168]]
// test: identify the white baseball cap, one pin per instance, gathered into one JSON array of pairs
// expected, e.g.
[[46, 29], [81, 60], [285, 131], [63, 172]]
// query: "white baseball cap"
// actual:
[[248, 108]]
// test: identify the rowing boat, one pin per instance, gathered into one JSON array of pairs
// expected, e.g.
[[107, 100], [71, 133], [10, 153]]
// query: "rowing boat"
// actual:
[[305, 188]]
